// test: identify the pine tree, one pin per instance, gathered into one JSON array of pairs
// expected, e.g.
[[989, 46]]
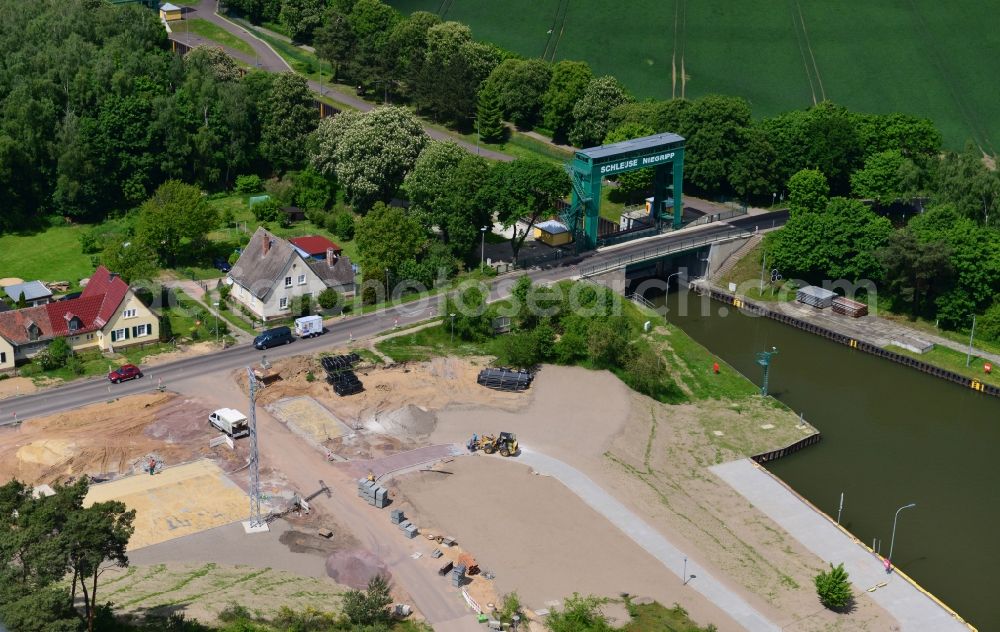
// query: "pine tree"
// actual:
[[490, 116], [834, 587]]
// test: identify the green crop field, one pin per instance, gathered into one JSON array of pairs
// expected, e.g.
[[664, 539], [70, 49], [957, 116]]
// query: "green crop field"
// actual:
[[920, 57]]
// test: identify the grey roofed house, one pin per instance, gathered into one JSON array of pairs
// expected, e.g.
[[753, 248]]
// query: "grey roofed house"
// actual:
[[35, 292], [335, 271], [260, 266]]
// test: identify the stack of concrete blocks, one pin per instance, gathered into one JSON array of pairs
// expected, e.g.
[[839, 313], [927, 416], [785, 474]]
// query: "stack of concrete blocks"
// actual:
[[375, 495], [458, 575], [396, 516], [408, 528]]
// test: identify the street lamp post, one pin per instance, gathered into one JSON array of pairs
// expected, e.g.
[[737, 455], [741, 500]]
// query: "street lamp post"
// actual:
[[893, 540], [482, 247], [216, 322], [452, 329]]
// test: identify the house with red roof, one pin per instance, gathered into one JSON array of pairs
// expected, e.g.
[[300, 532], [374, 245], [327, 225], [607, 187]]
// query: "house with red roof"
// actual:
[[315, 247], [107, 316]]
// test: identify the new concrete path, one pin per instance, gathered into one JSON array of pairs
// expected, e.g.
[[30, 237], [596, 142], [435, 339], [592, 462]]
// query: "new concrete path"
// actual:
[[913, 608], [649, 539]]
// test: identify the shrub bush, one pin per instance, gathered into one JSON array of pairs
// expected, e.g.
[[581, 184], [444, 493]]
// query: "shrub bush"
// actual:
[[249, 184]]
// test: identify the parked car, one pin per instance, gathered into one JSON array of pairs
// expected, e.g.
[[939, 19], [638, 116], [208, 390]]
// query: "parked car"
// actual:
[[124, 373], [221, 264], [273, 338]]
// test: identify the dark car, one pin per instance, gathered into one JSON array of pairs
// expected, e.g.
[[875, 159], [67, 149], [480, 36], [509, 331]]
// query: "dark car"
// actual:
[[273, 338], [124, 373], [221, 265]]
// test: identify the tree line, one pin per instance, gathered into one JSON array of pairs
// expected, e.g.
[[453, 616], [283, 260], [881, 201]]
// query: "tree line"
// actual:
[[97, 112]]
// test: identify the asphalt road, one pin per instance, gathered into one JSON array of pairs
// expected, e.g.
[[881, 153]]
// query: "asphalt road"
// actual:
[[339, 332]]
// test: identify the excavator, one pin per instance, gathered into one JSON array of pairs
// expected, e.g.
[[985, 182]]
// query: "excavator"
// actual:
[[505, 443]]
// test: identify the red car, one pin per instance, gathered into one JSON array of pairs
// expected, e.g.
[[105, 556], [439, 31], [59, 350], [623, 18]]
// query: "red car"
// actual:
[[125, 372]]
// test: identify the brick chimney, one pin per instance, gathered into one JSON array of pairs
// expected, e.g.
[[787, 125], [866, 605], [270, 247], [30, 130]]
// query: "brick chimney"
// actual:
[[331, 257], [266, 243]]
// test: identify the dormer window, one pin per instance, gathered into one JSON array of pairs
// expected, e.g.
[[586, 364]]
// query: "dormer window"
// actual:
[[74, 323], [33, 331]]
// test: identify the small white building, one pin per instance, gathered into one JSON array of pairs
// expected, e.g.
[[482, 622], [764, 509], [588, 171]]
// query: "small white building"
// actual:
[[271, 274]]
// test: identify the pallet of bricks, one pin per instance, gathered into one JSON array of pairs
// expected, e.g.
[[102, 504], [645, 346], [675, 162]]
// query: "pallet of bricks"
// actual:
[[339, 374], [503, 379], [372, 493], [397, 518]]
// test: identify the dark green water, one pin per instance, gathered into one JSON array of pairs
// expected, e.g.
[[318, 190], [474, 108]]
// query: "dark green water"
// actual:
[[891, 436]]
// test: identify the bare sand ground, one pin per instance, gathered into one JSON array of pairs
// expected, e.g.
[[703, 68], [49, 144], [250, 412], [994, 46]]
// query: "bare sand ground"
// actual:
[[111, 439], [14, 386], [176, 501], [539, 538], [653, 457]]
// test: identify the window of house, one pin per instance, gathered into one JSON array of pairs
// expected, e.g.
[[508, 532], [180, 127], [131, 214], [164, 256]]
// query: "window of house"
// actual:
[[119, 334], [3, 357], [129, 313], [288, 281], [74, 323], [283, 303], [302, 279], [90, 336], [141, 330]]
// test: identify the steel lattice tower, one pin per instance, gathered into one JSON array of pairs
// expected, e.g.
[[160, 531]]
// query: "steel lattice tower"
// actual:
[[764, 360], [255, 518]]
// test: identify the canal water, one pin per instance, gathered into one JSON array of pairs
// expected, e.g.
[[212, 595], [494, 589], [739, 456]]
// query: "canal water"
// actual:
[[891, 436]]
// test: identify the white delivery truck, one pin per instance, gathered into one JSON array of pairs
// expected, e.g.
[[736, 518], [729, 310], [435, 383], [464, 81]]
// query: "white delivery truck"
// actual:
[[232, 422], [309, 326]]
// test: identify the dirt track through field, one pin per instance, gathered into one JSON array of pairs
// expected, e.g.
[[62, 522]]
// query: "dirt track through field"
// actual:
[[812, 57], [680, 39], [799, 39]]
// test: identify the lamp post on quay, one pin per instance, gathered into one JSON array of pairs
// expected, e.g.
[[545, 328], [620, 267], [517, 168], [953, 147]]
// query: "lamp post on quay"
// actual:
[[892, 542]]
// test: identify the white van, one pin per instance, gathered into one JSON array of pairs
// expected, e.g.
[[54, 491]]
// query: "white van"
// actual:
[[309, 326], [232, 422]]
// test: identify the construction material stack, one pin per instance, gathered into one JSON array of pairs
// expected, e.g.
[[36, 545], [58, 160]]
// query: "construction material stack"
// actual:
[[816, 296], [374, 494], [458, 575], [408, 528], [504, 379], [340, 376]]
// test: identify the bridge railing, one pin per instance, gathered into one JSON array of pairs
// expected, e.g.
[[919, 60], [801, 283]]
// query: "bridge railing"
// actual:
[[656, 252]]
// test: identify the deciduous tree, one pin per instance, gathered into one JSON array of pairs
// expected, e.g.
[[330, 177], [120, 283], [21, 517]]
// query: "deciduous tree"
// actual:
[[370, 152], [386, 237], [288, 119], [592, 111], [176, 214], [525, 188], [520, 84], [568, 85]]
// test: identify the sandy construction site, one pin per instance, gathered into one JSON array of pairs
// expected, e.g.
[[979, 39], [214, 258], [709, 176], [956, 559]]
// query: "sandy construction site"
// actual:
[[536, 535]]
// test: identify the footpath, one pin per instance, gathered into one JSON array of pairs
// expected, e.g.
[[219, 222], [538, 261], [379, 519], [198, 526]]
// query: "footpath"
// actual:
[[672, 558], [914, 608], [872, 328]]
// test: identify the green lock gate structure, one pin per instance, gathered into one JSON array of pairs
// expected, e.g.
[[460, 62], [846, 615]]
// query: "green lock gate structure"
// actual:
[[664, 153]]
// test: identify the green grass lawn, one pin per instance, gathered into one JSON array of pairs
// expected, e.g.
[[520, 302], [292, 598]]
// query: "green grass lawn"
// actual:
[[924, 58], [954, 361], [50, 255], [237, 203], [655, 617], [204, 28], [432, 342]]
